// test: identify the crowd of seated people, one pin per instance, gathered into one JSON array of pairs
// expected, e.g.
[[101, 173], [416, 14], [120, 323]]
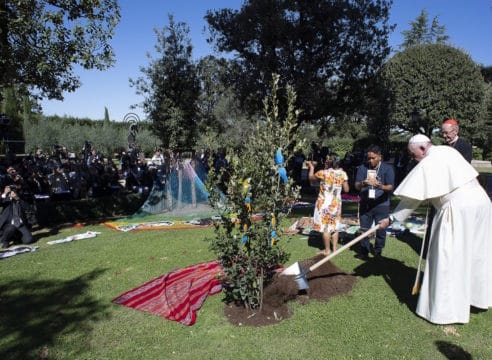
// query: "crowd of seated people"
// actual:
[[65, 175], [62, 175]]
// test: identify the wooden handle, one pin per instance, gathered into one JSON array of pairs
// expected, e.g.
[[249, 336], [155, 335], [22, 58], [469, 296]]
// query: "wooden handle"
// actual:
[[344, 247]]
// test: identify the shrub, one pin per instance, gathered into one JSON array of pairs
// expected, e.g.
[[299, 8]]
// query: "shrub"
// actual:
[[250, 250]]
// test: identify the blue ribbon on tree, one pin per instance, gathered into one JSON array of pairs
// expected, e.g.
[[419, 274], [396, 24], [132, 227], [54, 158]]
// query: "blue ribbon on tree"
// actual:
[[279, 162]]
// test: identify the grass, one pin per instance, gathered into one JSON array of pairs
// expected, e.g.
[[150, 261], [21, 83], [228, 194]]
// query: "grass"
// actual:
[[56, 303]]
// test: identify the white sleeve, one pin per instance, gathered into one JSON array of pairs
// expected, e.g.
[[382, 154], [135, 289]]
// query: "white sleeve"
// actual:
[[405, 208]]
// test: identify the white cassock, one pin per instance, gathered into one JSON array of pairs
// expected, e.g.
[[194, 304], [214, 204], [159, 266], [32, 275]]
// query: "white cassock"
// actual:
[[458, 272]]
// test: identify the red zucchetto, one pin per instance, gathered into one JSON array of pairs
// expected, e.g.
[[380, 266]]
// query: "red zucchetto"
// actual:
[[450, 121]]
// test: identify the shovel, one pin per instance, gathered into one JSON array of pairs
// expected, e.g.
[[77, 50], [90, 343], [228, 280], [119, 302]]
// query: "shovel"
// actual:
[[300, 273]]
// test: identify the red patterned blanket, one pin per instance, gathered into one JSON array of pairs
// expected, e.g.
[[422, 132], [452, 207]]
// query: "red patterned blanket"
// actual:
[[177, 295]]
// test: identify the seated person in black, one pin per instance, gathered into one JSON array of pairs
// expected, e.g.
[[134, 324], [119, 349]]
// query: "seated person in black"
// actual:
[[13, 219]]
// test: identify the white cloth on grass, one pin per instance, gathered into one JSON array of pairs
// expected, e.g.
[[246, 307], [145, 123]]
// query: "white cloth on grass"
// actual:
[[86, 235]]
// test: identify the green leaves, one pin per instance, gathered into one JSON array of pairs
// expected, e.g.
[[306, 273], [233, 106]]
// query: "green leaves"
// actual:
[[440, 81], [42, 40], [170, 88], [326, 50], [242, 242], [420, 32]]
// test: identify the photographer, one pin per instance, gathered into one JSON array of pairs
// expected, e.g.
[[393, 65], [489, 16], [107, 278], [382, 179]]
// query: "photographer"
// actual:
[[13, 219], [59, 183], [13, 178]]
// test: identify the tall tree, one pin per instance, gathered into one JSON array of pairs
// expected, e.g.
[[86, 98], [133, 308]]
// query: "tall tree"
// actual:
[[106, 116], [487, 131], [440, 82], [222, 123], [42, 40], [211, 73], [421, 33], [170, 87], [11, 132], [327, 50]]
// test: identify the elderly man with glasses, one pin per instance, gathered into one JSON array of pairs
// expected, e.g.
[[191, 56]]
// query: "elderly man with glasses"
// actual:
[[450, 130]]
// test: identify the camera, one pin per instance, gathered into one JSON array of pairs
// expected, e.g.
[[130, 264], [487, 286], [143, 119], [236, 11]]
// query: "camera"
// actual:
[[12, 192]]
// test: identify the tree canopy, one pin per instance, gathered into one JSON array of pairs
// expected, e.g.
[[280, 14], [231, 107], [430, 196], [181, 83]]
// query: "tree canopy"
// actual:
[[440, 82], [327, 50], [170, 87], [42, 40], [421, 33]]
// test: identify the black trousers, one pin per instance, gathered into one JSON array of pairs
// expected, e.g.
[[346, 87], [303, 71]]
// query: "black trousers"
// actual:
[[9, 231]]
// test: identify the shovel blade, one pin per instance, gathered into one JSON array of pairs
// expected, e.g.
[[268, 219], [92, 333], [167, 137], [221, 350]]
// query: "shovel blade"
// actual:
[[301, 280], [294, 269]]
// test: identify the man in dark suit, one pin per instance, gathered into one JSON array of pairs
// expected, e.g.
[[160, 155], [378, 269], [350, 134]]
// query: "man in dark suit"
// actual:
[[450, 130], [13, 219]]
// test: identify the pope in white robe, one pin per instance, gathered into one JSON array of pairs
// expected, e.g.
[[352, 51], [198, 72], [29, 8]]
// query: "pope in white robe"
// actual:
[[458, 271]]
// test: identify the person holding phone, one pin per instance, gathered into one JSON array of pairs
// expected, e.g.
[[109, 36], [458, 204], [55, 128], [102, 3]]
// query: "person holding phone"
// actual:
[[375, 181]]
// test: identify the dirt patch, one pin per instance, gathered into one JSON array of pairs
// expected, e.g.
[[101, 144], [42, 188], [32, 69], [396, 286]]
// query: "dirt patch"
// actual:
[[324, 282]]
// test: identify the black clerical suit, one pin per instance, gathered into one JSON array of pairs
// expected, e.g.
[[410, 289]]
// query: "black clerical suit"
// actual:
[[13, 220], [464, 148]]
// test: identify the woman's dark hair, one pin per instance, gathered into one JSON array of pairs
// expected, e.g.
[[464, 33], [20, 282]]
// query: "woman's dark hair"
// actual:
[[333, 160]]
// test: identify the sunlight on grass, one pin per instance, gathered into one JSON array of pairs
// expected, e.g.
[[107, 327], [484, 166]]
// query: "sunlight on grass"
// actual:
[[57, 300]]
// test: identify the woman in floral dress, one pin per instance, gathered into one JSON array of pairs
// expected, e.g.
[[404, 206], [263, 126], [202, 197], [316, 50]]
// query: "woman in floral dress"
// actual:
[[328, 207]]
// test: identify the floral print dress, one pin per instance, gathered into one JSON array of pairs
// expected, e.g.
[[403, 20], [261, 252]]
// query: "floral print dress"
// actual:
[[328, 207]]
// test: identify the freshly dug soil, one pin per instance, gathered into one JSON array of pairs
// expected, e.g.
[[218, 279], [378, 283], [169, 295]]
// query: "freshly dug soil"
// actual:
[[324, 282]]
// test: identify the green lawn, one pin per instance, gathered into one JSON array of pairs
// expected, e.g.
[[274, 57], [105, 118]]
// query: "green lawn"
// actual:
[[56, 304]]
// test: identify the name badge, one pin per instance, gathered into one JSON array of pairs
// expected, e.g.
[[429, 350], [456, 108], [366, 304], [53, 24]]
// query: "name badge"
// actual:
[[372, 193]]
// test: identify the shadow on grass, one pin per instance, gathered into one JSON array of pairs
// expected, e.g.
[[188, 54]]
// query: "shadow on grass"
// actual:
[[34, 313], [412, 240], [39, 234], [452, 351], [315, 239], [396, 274], [51, 216]]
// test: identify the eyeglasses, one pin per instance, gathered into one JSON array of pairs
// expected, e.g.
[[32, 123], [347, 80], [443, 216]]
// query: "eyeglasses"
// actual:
[[447, 132]]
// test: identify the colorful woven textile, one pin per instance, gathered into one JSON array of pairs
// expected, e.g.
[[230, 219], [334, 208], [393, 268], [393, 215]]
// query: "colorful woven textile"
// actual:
[[160, 225], [177, 295], [171, 224]]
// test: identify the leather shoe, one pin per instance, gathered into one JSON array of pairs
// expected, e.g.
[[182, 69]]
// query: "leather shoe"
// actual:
[[378, 256]]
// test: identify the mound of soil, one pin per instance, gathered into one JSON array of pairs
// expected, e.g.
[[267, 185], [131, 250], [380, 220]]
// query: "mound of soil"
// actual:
[[324, 282]]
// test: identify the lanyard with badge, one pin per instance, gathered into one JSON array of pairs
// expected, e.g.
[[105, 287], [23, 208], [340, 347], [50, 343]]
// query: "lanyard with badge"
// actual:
[[372, 175]]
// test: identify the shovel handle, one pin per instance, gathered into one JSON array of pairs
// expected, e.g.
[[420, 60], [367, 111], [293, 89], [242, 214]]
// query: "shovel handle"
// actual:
[[344, 247]]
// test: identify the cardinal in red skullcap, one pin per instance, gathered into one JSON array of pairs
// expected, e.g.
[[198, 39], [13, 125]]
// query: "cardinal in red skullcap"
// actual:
[[450, 130]]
